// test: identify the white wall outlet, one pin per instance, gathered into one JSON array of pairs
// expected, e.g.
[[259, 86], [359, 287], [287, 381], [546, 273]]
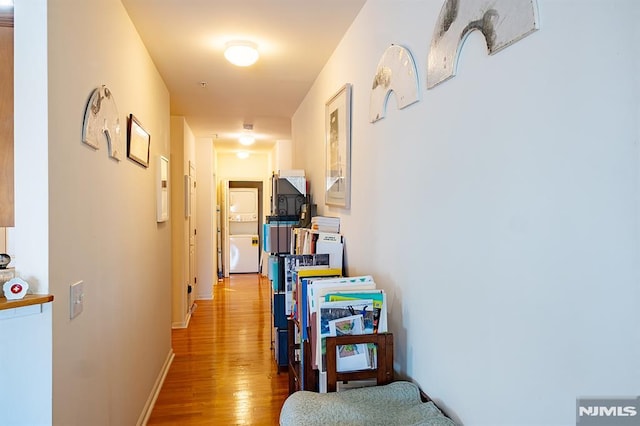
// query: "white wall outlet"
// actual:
[[76, 299]]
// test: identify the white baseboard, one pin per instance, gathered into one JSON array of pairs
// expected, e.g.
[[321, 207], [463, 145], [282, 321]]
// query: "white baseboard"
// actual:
[[205, 292], [157, 387], [205, 297], [182, 324]]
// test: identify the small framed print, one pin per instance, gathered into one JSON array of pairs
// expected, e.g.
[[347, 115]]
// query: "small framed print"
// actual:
[[138, 142], [163, 189]]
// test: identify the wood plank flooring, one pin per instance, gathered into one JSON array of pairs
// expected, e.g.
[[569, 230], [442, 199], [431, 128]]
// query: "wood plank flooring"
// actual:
[[224, 371]]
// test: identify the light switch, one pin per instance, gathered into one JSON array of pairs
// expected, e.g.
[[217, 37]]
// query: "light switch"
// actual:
[[77, 294]]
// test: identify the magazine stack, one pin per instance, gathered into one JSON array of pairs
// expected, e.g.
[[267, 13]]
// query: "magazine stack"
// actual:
[[333, 306]]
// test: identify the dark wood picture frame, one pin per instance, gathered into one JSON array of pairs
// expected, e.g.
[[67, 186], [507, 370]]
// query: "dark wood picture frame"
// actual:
[[138, 142]]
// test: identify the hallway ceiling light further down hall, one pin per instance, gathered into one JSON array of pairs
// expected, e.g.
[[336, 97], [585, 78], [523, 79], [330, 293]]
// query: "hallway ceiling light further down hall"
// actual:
[[246, 140]]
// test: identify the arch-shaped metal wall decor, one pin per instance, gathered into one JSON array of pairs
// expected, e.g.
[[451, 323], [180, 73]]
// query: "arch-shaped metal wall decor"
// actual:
[[396, 73], [101, 119], [502, 22]]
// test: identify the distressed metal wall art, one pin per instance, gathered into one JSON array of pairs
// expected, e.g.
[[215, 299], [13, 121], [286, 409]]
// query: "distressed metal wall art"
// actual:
[[101, 121], [397, 73], [502, 22]]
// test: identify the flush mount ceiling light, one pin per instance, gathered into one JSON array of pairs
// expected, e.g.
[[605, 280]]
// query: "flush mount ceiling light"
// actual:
[[242, 154], [246, 140], [246, 137], [241, 53]]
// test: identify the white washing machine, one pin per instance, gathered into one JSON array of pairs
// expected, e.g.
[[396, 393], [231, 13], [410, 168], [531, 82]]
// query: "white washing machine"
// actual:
[[243, 253]]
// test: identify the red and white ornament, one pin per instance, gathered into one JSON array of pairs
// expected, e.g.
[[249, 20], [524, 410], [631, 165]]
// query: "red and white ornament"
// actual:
[[15, 288]]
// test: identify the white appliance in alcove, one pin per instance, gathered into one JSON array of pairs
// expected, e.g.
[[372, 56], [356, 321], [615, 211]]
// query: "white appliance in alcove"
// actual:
[[243, 253], [243, 230]]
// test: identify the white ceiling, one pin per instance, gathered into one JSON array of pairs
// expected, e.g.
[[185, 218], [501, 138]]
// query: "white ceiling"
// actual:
[[186, 39]]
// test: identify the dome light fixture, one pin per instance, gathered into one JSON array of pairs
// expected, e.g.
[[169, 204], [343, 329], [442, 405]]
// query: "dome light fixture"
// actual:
[[246, 140], [241, 53], [242, 154]]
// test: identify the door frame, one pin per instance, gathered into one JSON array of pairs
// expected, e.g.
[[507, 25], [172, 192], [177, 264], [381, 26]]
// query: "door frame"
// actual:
[[240, 183], [192, 256]]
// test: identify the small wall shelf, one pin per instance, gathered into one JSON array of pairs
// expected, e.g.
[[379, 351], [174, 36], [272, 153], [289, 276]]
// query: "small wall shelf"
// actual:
[[28, 300]]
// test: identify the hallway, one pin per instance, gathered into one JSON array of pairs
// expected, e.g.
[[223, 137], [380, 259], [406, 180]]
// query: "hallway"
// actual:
[[224, 372]]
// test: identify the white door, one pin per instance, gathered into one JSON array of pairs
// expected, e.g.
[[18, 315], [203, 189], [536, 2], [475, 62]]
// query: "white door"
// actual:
[[224, 188], [193, 280]]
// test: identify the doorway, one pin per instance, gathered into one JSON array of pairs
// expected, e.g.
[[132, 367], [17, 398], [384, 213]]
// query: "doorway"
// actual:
[[233, 244], [191, 209]]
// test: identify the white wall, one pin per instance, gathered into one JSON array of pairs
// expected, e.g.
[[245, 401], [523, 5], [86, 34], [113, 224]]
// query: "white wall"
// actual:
[[283, 155], [501, 211], [207, 230], [25, 352], [258, 167], [102, 220], [233, 168], [183, 151]]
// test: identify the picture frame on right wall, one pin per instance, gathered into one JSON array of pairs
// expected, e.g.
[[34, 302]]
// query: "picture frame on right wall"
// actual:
[[338, 148]]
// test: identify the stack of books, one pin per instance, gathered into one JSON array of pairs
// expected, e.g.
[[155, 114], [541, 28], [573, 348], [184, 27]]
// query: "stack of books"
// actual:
[[307, 241], [325, 224]]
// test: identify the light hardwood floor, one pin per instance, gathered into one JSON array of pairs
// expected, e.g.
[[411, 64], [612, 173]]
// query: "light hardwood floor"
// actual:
[[224, 371]]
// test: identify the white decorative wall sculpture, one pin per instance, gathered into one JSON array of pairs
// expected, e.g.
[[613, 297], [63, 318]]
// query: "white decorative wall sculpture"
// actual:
[[101, 119], [502, 22], [396, 73]]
